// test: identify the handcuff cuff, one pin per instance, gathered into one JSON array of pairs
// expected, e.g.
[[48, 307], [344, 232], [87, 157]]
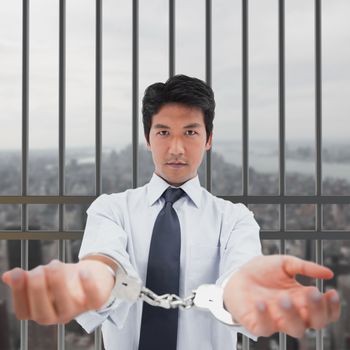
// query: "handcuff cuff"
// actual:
[[207, 297]]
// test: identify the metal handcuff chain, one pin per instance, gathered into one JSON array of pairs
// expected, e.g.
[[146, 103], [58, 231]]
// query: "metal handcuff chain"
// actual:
[[207, 297], [166, 301]]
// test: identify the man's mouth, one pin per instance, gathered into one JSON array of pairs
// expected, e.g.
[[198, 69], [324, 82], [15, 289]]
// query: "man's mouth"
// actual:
[[176, 165]]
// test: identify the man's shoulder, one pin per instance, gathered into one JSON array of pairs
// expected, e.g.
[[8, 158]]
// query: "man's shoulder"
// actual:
[[120, 198], [221, 202], [230, 213], [130, 192]]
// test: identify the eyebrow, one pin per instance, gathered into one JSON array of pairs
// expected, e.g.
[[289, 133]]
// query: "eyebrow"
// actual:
[[160, 126], [189, 126], [192, 126]]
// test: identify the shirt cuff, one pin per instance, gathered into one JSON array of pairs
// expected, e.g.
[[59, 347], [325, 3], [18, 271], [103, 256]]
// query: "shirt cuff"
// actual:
[[222, 281], [91, 320], [116, 311], [224, 278]]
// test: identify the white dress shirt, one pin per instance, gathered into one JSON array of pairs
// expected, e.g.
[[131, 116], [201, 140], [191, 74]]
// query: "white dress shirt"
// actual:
[[217, 237]]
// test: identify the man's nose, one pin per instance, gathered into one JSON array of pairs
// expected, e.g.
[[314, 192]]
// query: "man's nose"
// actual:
[[176, 146]]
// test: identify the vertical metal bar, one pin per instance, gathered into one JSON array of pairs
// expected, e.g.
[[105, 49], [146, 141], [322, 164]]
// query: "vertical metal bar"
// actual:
[[318, 109], [61, 327], [25, 137], [318, 101], [61, 146], [282, 136], [98, 102], [282, 336], [318, 127], [282, 102], [245, 112], [245, 343], [319, 284], [171, 38], [24, 265], [135, 90], [62, 105], [98, 339], [208, 77], [98, 122], [245, 97]]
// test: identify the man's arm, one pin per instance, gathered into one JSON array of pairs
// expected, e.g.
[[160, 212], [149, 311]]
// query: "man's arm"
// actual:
[[58, 292], [263, 295], [240, 241]]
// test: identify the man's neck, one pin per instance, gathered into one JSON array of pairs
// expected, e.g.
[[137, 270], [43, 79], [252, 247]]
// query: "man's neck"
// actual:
[[174, 184]]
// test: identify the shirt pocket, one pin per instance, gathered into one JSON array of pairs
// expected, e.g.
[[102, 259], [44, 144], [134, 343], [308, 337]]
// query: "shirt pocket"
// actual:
[[203, 265]]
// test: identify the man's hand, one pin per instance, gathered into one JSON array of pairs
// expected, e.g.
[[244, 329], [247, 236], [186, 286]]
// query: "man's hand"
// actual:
[[264, 296], [58, 292]]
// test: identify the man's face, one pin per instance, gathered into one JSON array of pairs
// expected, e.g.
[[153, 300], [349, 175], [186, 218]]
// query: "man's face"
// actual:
[[177, 141]]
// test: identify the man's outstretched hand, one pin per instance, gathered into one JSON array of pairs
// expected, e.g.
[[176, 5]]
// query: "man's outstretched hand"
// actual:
[[264, 296], [57, 292]]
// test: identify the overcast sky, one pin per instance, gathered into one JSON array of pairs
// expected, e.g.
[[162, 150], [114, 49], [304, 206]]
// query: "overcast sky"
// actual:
[[190, 59]]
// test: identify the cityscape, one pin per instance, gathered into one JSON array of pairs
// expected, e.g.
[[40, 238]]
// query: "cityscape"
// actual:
[[116, 177]]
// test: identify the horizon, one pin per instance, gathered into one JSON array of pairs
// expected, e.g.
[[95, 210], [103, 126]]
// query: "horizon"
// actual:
[[290, 142]]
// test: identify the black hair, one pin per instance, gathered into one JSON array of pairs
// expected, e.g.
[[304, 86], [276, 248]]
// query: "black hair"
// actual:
[[182, 89]]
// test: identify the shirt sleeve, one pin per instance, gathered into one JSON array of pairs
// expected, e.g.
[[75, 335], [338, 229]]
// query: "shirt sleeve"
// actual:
[[104, 234], [239, 246]]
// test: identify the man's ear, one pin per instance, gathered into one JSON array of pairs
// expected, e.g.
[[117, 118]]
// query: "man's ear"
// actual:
[[209, 142], [148, 144]]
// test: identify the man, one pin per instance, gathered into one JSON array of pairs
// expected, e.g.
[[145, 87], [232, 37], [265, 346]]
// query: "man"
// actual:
[[211, 241]]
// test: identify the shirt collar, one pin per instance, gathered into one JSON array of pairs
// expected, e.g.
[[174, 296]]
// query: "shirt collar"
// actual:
[[157, 186]]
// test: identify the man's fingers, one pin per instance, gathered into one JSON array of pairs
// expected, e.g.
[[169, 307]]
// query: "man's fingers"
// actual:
[[66, 308], [286, 317], [317, 313], [16, 279], [41, 307], [15, 275], [333, 305], [261, 322], [266, 318], [6, 278], [93, 299], [295, 266]]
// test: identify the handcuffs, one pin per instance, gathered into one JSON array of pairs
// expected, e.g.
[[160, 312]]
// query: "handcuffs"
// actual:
[[206, 297]]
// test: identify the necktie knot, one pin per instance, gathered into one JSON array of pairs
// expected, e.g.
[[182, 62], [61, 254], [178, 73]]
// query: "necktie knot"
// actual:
[[173, 194]]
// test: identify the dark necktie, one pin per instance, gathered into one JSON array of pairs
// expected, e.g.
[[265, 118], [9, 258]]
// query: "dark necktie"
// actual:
[[158, 325]]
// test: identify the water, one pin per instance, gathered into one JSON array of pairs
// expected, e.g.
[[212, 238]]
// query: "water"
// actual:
[[263, 157]]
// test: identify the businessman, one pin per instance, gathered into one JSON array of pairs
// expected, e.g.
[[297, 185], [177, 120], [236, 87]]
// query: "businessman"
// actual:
[[174, 235]]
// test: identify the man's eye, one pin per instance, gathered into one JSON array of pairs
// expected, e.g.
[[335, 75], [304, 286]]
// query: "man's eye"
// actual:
[[163, 133], [190, 132]]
